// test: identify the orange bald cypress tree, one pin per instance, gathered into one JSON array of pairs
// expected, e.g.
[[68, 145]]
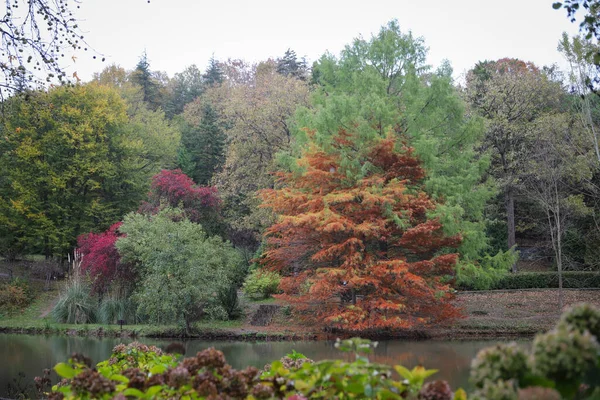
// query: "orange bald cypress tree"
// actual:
[[353, 241]]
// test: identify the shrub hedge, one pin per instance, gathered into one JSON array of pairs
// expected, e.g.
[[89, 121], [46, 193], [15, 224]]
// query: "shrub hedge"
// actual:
[[546, 280]]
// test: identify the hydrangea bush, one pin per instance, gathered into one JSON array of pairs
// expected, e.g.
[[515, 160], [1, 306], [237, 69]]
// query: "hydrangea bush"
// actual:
[[145, 372], [563, 363]]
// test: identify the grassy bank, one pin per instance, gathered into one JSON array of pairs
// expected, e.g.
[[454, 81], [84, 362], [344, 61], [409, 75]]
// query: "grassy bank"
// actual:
[[491, 314], [35, 319]]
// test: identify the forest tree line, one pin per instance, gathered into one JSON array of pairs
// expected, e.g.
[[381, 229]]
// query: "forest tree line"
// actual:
[[507, 160]]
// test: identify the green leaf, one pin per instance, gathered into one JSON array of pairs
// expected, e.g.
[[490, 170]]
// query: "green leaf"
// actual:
[[354, 387], [153, 390], [158, 369], [536, 380], [133, 392], [421, 373], [403, 371], [119, 378], [294, 355], [557, 5], [166, 359], [63, 389], [65, 370], [460, 394], [301, 385], [105, 371]]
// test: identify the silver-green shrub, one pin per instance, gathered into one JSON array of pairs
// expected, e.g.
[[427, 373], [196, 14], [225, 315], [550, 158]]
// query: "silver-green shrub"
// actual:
[[500, 362], [76, 304], [114, 308], [582, 317], [496, 390], [565, 355], [182, 269]]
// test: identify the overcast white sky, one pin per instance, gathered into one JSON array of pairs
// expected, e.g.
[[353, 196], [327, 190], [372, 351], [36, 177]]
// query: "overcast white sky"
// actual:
[[178, 33]]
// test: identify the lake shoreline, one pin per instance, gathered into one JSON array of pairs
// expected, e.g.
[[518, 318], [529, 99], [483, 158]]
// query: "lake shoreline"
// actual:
[[258, 335], [492, 315]]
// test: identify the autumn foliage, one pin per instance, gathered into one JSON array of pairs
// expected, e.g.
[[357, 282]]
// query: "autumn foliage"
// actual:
[[101, 259], [353, 241], [173, 188]]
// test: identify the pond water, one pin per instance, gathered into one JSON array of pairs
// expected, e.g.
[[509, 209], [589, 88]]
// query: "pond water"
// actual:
[[22, 357]]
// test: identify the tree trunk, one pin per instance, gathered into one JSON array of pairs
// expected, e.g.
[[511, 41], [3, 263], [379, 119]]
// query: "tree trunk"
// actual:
[[553, 214], [509, 201], [188, 326], [559, 249], [47, 251]]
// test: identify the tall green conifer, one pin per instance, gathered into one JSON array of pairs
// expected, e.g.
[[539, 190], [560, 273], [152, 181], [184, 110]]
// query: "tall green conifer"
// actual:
[[143, 77], [204, 143], [383, 83]]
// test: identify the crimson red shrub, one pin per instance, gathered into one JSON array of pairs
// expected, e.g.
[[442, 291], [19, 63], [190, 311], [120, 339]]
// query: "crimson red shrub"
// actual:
[[101, 259], [173, 188]]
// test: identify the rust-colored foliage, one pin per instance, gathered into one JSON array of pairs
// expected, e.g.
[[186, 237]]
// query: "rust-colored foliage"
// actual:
[[353, 240]]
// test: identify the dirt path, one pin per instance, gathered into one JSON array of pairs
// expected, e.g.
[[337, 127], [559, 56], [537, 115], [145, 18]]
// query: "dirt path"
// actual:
[[49, 307]]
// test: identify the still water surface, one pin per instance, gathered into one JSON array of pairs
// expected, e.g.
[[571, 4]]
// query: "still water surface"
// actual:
[[22, 357]]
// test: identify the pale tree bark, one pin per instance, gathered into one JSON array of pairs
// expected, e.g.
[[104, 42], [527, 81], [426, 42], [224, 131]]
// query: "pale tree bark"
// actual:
[[554, 223], [509, 199]]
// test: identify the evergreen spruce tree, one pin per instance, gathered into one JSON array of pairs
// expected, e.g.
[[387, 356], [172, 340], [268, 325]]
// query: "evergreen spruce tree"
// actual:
[[214, 74], [142, 76], [184, 161], [204, 146], [184, 88], [289, 65]]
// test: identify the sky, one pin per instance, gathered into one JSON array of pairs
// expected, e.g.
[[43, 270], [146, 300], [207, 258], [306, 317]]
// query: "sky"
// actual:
[[178, 33]]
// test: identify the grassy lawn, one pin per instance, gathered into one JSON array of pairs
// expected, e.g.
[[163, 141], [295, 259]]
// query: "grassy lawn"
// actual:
[[29, 320], [37, 318], [30, 316]]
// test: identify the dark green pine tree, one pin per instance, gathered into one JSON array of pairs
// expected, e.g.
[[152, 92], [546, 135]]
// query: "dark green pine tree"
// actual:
[[289, 65], [214, 74], [184, 88], [142, 76], [184, 161], [203, 147]]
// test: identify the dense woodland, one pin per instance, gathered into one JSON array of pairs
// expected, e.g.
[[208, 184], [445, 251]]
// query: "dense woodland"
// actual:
[[361, 188]]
